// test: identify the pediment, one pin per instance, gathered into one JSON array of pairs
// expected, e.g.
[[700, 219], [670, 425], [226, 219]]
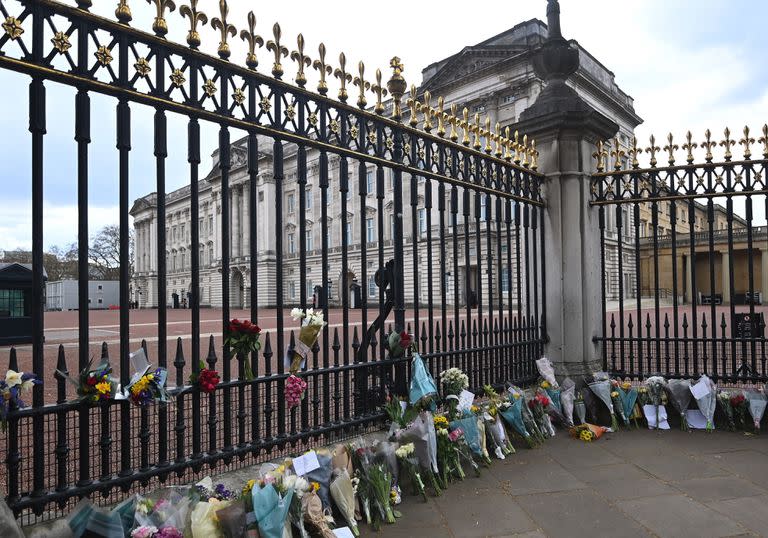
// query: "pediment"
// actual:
[[466, 63]]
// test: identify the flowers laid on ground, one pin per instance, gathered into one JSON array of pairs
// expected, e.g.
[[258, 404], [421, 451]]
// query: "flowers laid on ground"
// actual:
[[655, 389], [453, 382], [206, 379], [680, 395], [12, 388], [243, 339], [739, 405], [601, 387], [757, 402]]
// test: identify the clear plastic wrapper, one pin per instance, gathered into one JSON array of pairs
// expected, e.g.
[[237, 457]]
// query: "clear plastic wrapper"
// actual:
[[547, 371], [602, 389], [343, 495], [567, 399], [385, 453], [706, 402], [679, 391], [322, 475], [271, 510], [757, 402]]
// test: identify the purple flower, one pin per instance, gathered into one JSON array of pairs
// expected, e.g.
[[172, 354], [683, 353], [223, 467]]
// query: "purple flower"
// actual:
[[169, 532]]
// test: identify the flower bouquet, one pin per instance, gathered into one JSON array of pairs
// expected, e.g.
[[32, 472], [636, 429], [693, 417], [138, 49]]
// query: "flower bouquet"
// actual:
[[705, 393], [312, 323], [96, 385], [380, 481], [655, 386], [243, 339], [567, 400], [464, 452], [322, 475], [580, 407], [11, 390], [343, 495], [628, 396], [513, 415], [453, 381], [447, 452], [601, 387], [315, 514], [739, 406], [618, 408], [89, 520], [294, 390], [679, 391], [724, 399], [163, 513], [587, 432], [473, 437], [538, 405], [411, 466], [271, 509], [757, 403], [398, 342], [147, 384], [423, 389]]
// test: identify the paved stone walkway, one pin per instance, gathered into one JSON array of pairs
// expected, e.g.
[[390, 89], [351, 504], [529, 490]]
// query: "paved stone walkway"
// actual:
[[637, 483]]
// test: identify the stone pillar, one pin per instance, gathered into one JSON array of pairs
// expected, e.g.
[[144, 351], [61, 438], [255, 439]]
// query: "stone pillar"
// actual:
[[246, 243], [764, 274], [235, 220], [725, 266]]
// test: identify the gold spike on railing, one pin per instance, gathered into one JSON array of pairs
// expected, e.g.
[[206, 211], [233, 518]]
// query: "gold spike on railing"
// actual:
[[764, 141], [278, 50], [476, 131], [396, 86], [534, 156], [413, 105], [671, 148], [689, 146], [507, 145], [653, 149], [618, 154], [708, 144], [380, 92], [195, 17], [427, 110], [225, 29], [361, 84], [746, 142], [160, 26], [516, 146], [599, 156], [488, 133], [727, 143], [634, 151], [123, 12], [344, 77], [524, 150], [497, 141], [324, 68], [441, 115], [302, 60], [452, 119], [465, 126]]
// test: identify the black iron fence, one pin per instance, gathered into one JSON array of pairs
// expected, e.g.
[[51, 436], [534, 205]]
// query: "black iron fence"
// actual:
[[480, 241], [684, 291]]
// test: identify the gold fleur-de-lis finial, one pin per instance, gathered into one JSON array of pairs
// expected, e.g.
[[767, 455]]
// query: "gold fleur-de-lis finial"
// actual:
[[689, 146], [380, 92], [634, 151], [728, 143], [278, 50], [253, 39], [764, 141], [123, 12], [708, 144], [653, 150], [226, 30], [440, 115], [465, 127], [517, 147], [324, 68], [618, 154], [302, 60], [534, 156], [671, 148], [599, 156], [427, 110], [362, 85], [476, 131], [195, 17], [160, 26], [344, 77], [507, 145], [488, 134], [497, 140], [746, 142], [452, 119], [396, 86], [524, 150], [413, 105]]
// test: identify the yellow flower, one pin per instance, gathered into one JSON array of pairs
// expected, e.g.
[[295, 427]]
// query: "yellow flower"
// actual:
[[626, 385], [441, 422], [315, 486], [249, 486], [474, 409], [103, 387], [280, 469], [643, 389], [586, 436], [12, 378], [516, 396], [614, 394], [492, 411], [545, 384]]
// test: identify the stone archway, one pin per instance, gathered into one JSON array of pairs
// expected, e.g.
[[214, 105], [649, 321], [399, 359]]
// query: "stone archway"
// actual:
[[351, 277], [236, 290]]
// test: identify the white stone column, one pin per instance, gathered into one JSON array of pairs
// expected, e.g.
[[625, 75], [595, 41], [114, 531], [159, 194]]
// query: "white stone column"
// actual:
[[235, 220], [726, 278], [246, 245], [764, 274]]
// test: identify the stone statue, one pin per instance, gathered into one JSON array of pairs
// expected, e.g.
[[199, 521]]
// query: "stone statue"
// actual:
[[553, 19]]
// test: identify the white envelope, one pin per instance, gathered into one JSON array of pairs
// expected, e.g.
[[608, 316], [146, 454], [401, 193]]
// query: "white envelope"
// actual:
[[650, 415]]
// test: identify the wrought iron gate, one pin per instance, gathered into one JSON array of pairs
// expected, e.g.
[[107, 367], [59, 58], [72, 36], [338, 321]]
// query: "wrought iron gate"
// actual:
[[477, 187]]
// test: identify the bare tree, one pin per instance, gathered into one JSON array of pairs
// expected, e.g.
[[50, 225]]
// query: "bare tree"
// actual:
[[104, 252]]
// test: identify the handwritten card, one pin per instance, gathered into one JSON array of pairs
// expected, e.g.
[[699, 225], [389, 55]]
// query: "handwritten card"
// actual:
[[306, 463], [696, 419], [650, 415], [343, 532], [465, 400], [700, 389]]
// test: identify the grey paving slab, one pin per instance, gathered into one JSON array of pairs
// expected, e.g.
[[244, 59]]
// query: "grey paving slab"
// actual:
[[618, 490], [548, 476], [616, 471], [748, 464], [475, 516], [718, 488], [750, 512], [573, 455], [675, 466], [677, 516], [574, 514]]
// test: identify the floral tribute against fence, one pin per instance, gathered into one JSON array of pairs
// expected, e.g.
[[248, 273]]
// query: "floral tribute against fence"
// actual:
[[436, 439]]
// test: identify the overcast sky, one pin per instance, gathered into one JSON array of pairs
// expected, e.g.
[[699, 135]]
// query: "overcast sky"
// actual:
[[688, 65]]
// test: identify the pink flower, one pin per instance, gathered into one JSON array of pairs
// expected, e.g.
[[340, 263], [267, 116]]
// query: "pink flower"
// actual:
[[294, 390]]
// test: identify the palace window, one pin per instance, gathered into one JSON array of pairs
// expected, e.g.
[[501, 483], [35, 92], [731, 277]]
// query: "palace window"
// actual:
[[507, 99], [310, 289], [211, 259], [369, 182], [308, 243], [369, 232], [372, 287], [291, 243], [349, 233], [291, 203], [422, 221], [292, 290], [505, 279], [308, 200], [483, 207]]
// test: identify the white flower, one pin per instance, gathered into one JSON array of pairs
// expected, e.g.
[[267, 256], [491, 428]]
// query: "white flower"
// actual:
[[656, 380], [290, 481], [12, 378], [297, 314], [27, 385], [301, 484]]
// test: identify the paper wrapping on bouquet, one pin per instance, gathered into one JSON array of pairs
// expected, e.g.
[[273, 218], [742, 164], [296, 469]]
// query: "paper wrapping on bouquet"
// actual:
[[514, 417], [547, 371], [271, 510], [421, 432], [705, 393], [555, 396], [232, 520], [567, 397], [679, 391], [423, 385], [496, 429], [385, 453], [343, 494], [308, 335], [203, 522], [89, 520], [757, 402], [322, 475], [628, 400], [471, 433]]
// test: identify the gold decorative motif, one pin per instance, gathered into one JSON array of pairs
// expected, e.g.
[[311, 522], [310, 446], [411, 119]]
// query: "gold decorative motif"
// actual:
[[764, 141], [313, 119], [728, 143], [598, 155], [353, 132], [362, 85], [689, 146], [225, 29], [524, 150], [372, 137], [428, 111], [290, 112], [746, 142], [142, 67], [534, 156], [278, 50], [13, 28], [396, 86], [708, 144], [671, 148], [103, 55], [476, 130], [487, 134], [681, 183], [441, 116], [380, 91], [325, 69], [472, 168], [422, 154], [344, 77], [302, 59], [61, 42], [334, 126], [653, 149], [123, 12], [407, 148], [413, 104], [645, 185], [465, 126], [719, 180], [209, 88], [177, 78], [253, 39], [390, 143], [265, 105], [195, 17], [507, 145], [628, 185], [238, 97], [449, 161], [160, 26], [497, 141], [634, 151], [516, 145], [452, 119]]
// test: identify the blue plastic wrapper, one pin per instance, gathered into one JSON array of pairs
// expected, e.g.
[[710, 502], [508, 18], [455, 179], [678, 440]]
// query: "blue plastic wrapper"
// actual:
[[271, 510], [514, 417], [471, 433], [423, 386]]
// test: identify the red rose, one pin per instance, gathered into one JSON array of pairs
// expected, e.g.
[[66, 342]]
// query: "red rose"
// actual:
[[207, 380], [405, 340], [255, 329], [91, 381]]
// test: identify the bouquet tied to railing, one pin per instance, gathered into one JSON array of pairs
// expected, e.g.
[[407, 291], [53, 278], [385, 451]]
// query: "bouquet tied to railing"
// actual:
[[312, 322], [243, 339], [11, 389]]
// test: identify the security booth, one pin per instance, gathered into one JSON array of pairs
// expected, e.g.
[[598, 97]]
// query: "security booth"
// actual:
[[16, 303], [319, 300]]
